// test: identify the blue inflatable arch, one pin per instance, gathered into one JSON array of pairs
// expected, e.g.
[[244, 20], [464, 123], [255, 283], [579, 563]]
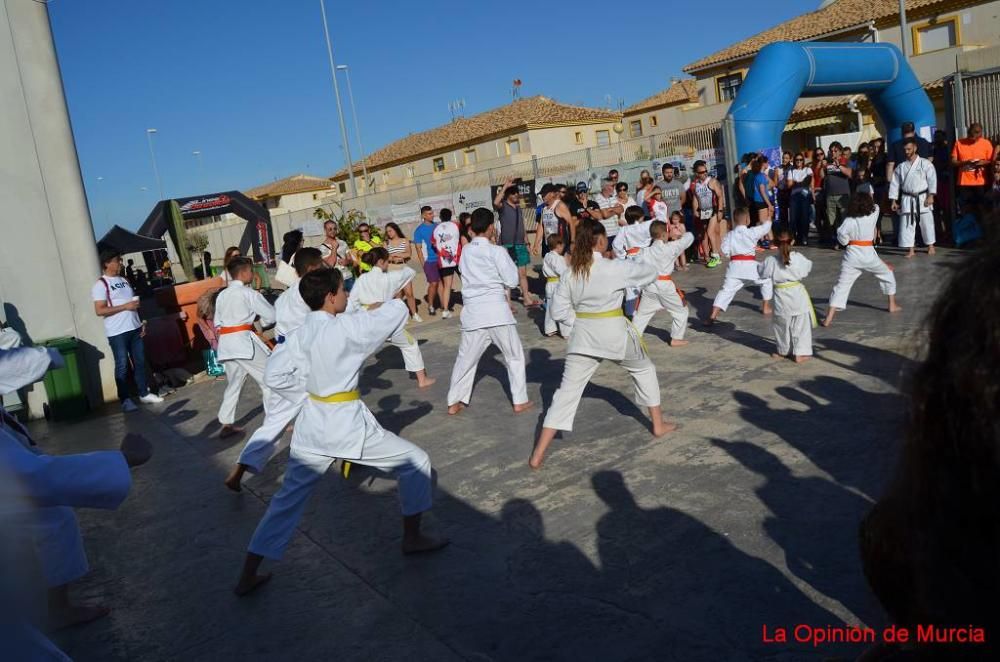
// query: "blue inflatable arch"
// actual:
[[785, 71]]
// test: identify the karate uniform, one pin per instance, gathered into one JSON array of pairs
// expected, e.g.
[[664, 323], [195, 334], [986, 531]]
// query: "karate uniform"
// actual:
[[662, 293], [242, 351], [740, 246], [322, 359], [609, 335], [627, 245], [377, 286], [487, 273], [290, 313], [910, 185], [553, 266], [860, 257], [794, 316]]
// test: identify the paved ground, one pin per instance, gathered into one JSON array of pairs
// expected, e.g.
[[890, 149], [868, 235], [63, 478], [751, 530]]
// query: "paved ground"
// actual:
[[622, 548]]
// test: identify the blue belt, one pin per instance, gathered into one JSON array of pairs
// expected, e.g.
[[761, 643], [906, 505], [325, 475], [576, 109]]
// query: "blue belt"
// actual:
[[279, 339]]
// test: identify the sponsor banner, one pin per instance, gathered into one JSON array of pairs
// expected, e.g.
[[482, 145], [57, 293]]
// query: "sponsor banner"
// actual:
[[466, 201], [208, 205], [263, 242]]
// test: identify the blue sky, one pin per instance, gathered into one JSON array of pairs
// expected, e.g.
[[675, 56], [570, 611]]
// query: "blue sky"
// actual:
[[247, 82]]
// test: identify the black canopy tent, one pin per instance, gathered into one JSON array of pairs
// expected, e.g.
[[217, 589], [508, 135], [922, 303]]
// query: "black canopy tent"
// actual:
[[258, 235], [121, 240]]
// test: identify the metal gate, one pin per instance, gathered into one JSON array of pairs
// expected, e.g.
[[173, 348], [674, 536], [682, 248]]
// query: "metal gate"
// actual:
[[974, 97]]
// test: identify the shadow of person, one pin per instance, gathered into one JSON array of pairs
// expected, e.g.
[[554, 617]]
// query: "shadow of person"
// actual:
[[394, 419], [815, 521], [698, 300], [846, 431], [691, 580], [887, 365]]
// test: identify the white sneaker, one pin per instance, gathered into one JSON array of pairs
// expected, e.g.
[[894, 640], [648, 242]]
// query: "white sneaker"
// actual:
[[150, 399], [128, 406], [416, 318], [446, 314]]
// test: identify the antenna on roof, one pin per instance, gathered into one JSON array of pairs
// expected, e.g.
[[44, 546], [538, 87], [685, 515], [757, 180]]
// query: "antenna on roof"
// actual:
[[515, 89], [456, 108]]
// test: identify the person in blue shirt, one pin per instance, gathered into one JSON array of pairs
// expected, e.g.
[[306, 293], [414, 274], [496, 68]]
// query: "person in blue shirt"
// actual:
[[423, 241]]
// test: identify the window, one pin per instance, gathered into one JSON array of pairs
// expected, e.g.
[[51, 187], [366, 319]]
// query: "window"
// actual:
[[315, 196], [439, 164], [729, 85], [470, 156], [603, 137], [635, 128], [409, 172], [385, 176], [653, 121], [513, 146], [578, 137], [935, 35]]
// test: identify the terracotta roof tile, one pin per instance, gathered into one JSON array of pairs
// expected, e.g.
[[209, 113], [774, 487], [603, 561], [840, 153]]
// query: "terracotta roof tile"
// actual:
[[529, 112], [295, 184], [835, 16], [685, 91]]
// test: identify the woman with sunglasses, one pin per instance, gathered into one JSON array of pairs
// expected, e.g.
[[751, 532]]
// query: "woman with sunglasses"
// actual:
[[799, 180]]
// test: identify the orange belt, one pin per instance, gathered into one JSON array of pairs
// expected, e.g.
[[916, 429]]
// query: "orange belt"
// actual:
[[632, 251], [223, 330], [665, 277], [858, 242], [748, 258]]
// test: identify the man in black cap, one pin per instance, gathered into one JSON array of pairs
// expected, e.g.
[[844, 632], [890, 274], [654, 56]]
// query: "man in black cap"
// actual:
[[581, 206]]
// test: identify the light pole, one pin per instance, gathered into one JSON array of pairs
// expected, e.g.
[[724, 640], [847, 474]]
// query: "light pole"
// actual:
[[201, 169], [904, 30], [336, 94], [152, 156], [357, 122]]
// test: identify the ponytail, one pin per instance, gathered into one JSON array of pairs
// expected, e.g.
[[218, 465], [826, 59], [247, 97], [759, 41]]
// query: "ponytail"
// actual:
[[784, 240], [582, 256]]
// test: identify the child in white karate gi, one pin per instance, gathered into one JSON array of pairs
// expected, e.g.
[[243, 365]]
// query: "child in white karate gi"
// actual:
[[290, 313], [242, 352], [487, 274], [857, 234], [662, 293], [740, 246], [628, 244], [912, 189], [323, 359], [593, 290], [379, 285], [554, 265], [794, 316]]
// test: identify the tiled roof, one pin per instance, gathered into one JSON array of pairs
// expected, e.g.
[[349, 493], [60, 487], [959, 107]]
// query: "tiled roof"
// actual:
[[295, 184], [529, 112], [836, 16], [685, 91]]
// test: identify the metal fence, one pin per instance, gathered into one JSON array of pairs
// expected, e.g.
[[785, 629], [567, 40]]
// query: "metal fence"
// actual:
[[974, 97]]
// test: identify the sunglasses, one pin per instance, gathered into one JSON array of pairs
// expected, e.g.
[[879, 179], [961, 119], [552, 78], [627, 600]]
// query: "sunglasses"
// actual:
[[701, 172]]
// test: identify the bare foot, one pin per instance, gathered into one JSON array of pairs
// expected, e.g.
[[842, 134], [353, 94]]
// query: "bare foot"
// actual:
[[248, 585], [775, 355], [895, 308], [802, 359], [909, 255], [709, 322], [423, 544], [536, 461], [230, 431], [426, 382], [234, 478], [73, 615], [931, 250], [523, 407], [455, 408], [663, 428], [679, 343], [766, 310]]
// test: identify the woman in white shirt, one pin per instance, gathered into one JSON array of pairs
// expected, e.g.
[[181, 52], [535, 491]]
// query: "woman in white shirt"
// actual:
[[400, 254], [115, 301]]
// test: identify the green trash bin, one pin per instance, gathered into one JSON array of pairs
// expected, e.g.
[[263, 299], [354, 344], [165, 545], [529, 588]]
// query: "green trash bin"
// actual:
[[67, 396]]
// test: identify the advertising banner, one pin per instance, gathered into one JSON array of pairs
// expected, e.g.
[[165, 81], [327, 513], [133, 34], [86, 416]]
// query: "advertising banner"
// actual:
[[466, 201]]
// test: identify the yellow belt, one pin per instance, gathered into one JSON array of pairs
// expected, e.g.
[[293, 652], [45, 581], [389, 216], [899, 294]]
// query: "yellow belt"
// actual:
[[795, 283], [617, 312], [333, 398], [552, 279]]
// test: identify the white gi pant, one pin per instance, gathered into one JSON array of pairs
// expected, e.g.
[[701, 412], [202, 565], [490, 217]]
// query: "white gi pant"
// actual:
[[908, 222], [413, 360], [470, 350], [793, 333], [551, 326], [731, 285], [385, 451], [854, 265], [578, 370], [237, 371], [58, 546], [264, 443], [662, 295]]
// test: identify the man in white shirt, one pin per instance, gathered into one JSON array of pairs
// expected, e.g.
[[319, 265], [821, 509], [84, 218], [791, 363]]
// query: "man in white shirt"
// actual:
[[335, 254], [115, 301], [487, 274], [242, 352], [612, 211], [446, 238]]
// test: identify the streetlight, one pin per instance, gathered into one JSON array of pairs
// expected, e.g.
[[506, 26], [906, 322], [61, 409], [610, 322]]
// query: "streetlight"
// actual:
[[201, 169], [152, 156], [336, 94], [357, 123]]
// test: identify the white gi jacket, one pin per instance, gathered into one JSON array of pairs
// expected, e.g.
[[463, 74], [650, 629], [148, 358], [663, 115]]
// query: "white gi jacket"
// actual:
[[289, 311], [793, 300], [554, 265], [672, 251], [631, 237], [742, 240], [860, 229], [487, 274], [235, 306], [911, 182], [377, 286], [323, 357], [603, 291]]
